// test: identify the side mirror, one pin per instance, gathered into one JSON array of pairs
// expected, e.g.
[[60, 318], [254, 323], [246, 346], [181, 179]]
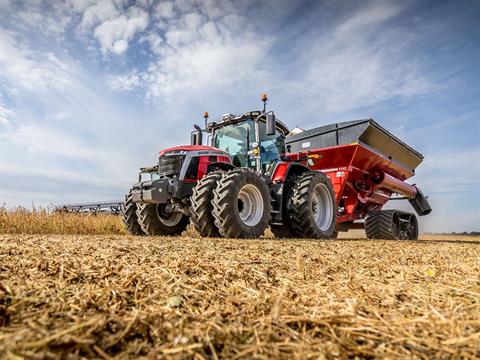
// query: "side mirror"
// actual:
[[197, 136], [271, 124]]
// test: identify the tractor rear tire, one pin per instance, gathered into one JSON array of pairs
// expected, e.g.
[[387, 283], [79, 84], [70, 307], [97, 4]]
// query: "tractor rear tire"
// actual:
[[129, 216], [286, 231], [241, 204], [155, 222], [313, 209], [202, 207], [391, 225]]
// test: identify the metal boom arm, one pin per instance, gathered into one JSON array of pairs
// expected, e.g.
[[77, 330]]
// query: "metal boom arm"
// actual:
[[112, 207]]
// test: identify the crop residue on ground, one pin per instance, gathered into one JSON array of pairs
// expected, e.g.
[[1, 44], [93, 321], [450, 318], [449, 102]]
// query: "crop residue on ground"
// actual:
[[105, 296]]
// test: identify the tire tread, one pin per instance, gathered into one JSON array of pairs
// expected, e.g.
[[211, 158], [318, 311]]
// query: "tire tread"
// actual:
[[300, 212], [202, 205], [130, 217]]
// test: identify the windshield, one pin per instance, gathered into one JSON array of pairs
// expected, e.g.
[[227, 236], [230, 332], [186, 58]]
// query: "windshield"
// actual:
[[233, 140]]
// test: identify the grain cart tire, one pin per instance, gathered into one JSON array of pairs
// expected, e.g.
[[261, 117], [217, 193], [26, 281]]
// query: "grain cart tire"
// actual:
[[129, 216], [313, 210], [384, 224], [155, 221], [413, 230], [241, 204], [408, 226], [202, 207]]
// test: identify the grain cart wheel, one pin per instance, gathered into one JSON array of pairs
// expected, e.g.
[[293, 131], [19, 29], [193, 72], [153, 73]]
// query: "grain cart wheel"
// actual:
[[241, 204], [158, 219], [313, 210], [384, 224], [408, 226], [202, 207], [129, 215]]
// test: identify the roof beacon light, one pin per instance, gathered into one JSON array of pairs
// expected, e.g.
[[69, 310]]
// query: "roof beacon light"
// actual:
[[264, 99], [205, 116]]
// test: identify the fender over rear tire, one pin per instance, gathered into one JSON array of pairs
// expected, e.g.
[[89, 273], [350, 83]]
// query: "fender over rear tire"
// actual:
[[155, 222], [241, 204], [202, 205], [313, 209], [129, 216]]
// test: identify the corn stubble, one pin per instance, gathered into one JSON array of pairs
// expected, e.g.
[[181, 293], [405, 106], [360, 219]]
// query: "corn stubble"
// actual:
[[119, 296]]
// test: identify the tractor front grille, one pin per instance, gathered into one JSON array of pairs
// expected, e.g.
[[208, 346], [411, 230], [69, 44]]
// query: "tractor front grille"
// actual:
[[170, 165]]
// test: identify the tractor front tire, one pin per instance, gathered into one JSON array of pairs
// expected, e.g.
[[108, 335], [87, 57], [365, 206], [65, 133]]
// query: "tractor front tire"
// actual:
[[155, 222], [202, 207], [241, 204], [129, 216], [313, 210]]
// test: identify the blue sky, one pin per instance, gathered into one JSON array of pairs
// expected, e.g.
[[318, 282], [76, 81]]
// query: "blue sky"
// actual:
[[92, 90]]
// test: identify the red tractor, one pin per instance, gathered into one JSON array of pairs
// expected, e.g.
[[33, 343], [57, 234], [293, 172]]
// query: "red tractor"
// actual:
[[254, 173]]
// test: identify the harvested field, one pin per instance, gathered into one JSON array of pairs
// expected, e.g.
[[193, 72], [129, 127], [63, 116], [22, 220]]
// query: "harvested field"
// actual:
[[121, 296], [43, 221]]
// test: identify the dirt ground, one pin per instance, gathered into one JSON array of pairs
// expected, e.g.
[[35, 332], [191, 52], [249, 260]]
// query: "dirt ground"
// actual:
[[120, 296]]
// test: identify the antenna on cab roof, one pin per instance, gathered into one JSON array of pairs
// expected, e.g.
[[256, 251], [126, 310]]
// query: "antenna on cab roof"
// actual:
[[205, 116], [264, 99]]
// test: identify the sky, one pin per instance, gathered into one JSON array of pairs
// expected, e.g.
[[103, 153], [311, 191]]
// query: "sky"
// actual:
[[91, 90]]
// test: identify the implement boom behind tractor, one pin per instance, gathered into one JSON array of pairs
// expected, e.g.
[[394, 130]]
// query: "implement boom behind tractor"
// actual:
[[254, 173]]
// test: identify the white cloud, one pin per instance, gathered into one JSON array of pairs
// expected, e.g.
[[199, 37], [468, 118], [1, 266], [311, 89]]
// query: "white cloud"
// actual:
[[31, 69], [50, 19], [60, 175], [194, 53], [115, 34], [210, 65], [4, 4], [359, 64], [5, 114], [37, 138], [438, 168], [79, 6], [193, 21], [155, 41], [126, 82], [55, 23], [99, 12], [372, 15], [164, 10]]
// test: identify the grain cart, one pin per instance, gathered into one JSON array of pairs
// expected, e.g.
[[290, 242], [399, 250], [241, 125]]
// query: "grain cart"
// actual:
[[254, 173]]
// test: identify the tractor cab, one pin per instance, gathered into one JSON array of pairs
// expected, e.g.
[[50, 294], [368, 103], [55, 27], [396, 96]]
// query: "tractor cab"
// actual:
[[248, 139], [254, 140]]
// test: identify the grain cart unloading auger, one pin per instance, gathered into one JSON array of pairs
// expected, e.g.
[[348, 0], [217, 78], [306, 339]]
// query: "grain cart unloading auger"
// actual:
[[254, 174]]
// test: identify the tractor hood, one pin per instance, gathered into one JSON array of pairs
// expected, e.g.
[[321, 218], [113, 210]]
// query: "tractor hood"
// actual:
[[190, 148]]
